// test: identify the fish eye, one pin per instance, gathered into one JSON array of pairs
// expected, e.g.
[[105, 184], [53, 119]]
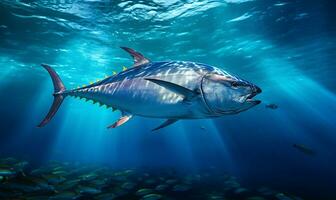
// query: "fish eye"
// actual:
[[234, 84]]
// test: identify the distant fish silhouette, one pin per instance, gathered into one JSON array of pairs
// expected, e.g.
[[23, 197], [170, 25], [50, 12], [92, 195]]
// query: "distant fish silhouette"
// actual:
[[304, 149], [202, 128], [272, 106]]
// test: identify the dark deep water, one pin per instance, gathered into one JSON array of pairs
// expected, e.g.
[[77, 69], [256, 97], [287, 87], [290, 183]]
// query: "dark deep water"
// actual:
[[288, 48]]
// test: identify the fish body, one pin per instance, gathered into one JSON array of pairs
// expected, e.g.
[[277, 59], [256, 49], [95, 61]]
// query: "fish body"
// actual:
[[7, 172], [171, 90], [272, 106], [304, 149], [130, 92]]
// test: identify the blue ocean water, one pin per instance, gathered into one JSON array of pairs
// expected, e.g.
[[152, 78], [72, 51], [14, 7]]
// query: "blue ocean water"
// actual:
[[287, 48]]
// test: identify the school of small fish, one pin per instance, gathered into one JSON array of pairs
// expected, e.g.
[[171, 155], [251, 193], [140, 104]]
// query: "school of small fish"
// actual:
[[62, 181]]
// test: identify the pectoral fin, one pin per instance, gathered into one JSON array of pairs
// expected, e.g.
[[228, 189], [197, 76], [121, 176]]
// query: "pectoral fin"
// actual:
[[123, 119], [166, 123], [185, 92]]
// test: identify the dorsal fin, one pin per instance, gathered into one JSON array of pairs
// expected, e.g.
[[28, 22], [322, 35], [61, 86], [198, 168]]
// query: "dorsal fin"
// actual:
[[138, 58]]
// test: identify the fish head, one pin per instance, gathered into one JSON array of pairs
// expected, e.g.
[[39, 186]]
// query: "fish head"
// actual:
[[227, 94]]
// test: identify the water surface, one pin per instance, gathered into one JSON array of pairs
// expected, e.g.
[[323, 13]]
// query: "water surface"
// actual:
[[285, 47]]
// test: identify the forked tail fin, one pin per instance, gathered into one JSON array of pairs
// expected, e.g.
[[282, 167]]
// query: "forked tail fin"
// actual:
[[58, 94]]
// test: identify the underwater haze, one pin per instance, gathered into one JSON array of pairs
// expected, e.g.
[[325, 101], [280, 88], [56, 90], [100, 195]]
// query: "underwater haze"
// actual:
[[283, 148]]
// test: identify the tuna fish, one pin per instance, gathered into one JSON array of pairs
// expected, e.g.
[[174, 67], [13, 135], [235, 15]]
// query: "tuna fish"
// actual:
[[171, 90]]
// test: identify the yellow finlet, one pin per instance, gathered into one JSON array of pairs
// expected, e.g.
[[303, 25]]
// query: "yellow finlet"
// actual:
[[91, 82], [124, 68], [84, 85], [114, 73]]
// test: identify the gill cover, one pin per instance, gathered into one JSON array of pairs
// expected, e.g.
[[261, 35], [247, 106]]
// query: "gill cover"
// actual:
[[221, 94], [209, 85]]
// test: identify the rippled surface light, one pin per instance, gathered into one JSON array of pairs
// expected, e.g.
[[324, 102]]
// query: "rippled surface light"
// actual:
[[286, 47]]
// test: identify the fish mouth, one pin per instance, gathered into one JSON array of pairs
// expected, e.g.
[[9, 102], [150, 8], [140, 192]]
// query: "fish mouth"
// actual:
[[249, 98]]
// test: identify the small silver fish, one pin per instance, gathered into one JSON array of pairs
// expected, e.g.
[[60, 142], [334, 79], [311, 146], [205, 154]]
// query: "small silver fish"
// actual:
[[272, 106], [7, 172], [304, 149]]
